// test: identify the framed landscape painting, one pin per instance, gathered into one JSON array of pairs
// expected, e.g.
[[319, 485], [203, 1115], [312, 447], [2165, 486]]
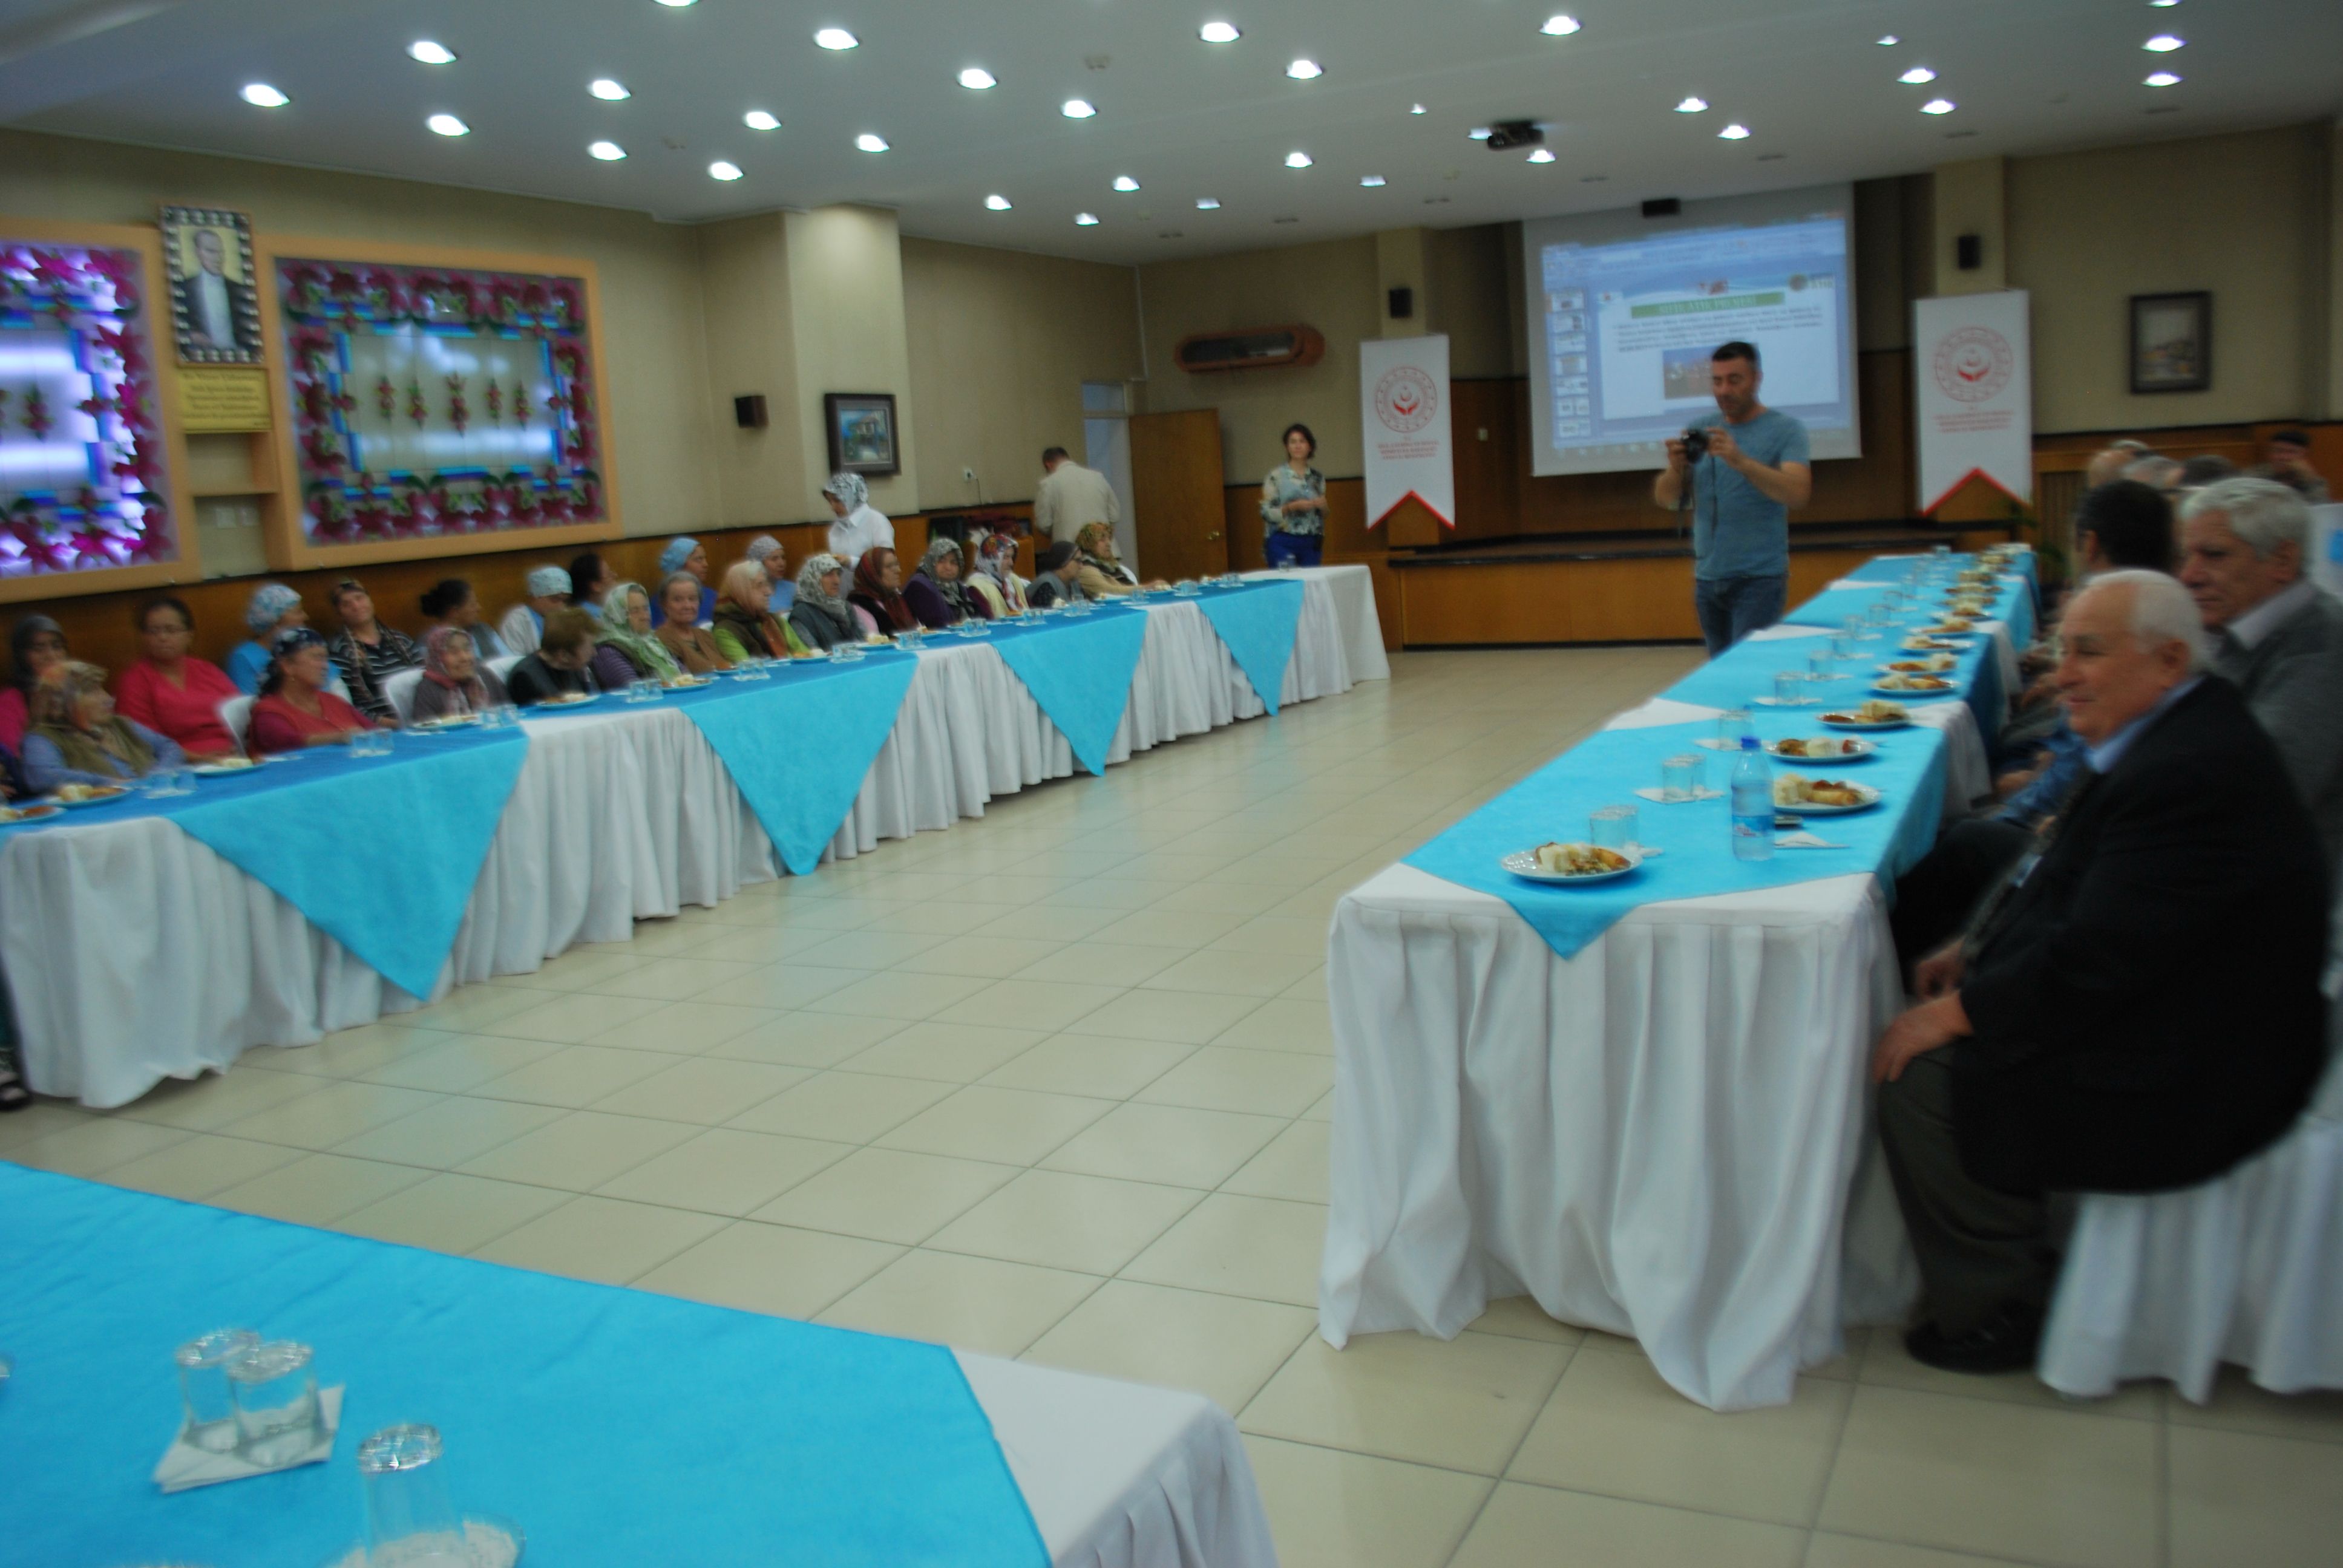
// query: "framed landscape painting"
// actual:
[[861, 430], [2171, 342]]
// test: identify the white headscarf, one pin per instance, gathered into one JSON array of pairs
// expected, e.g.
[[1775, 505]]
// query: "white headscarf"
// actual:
[[849, 490]]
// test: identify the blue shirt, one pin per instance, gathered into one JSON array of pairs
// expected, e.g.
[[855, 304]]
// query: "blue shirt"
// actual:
[[2108, 753], [247, 666], [1737, 532], [2068, 757]]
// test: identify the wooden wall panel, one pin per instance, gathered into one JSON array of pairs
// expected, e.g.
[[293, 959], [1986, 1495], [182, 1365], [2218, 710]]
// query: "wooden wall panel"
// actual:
[[1630, 599]]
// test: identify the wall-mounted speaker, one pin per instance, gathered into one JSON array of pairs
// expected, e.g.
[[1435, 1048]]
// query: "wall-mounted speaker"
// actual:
[[749, 411], [1250, 349], [1968, 252], [1402, 301], [1663, 207]]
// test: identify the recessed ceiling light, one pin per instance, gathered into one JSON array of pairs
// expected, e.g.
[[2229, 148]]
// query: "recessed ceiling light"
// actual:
[[1219, 33], [1692, 105], [261, 96], [678, 5], [1373, 182], [608, 91], [759, 120], [1917, 75], [1125, 183], [1541, 156], [609, 152], [1086, 219], [1735, 132], [1208, 204], [1938, 106], [1888, 40], [1078, 108], [835, 38], [1560, 26], [431, 53], [1479, 133], [1415, 108], [2163, 43], [1297, 160], [997, 201], [871, 144], [2159, 4], [448, 126], [2162, 79], [723, 169], [976, 78], [1305, 70]]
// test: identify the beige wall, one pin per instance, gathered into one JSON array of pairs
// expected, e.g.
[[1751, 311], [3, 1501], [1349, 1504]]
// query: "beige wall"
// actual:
[[846, 294], [2246, 216], [1473, 299], [652, 355], [761, 475], [1331, 285], [1000, 343]]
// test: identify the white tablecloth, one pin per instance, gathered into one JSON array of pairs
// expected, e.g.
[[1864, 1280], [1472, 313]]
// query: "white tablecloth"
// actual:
[[1122, 1476], [134, 954], [1354, 601]]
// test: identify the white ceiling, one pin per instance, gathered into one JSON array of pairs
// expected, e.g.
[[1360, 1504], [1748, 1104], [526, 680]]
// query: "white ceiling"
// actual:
[[1186, 118]]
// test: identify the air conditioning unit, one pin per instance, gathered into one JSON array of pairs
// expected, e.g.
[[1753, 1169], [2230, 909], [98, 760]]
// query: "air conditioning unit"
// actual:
[[1250, 349]]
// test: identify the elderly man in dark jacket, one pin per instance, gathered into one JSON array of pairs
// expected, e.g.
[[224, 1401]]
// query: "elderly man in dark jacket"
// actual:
[[2135, 1008]]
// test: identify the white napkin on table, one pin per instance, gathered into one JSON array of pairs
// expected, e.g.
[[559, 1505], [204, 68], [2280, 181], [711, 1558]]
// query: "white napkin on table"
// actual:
[[1803, 840], [184, 1465], [1653, 793]]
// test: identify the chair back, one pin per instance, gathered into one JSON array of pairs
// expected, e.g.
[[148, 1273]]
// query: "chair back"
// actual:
[[235, 713], [400, 690], [503, 666]]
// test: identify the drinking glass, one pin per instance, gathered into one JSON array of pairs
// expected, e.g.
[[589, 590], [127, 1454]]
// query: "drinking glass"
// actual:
[[1680, 776], [202, 1361], [1790, 687], [1818, 664], [1731, 726], [1842, 645], [643, 690], [161, 783], [362, 743], [410, 1519], [275, 1392], [1613, 827]]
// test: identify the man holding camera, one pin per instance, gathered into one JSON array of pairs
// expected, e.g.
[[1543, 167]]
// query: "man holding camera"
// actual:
[[1747, 467]]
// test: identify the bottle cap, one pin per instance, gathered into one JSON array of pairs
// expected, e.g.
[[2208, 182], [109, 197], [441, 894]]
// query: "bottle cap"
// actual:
[[1749, 743]]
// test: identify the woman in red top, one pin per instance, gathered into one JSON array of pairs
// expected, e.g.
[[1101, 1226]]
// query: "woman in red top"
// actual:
[[171, 693], [294, 709]]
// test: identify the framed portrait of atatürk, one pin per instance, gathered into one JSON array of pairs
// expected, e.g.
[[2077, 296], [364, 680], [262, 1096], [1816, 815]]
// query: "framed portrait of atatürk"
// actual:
[[215, 299]]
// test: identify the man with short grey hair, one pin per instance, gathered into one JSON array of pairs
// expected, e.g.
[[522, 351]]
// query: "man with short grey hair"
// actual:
[[2276, 635], [2156, 471]]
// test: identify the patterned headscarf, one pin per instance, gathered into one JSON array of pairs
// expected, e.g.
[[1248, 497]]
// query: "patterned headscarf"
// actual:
[[763, 544], [267, 606], [646, 652], [955, 593], [55, 713], [849, 489], [996, 556], [288, 643], [679, 550], [886, 605], [435, 665], [809, 590], [546, 580], [1096, 543]]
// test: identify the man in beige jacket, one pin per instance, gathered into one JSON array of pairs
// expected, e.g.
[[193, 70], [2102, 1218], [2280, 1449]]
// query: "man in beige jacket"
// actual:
[[1071, 496]]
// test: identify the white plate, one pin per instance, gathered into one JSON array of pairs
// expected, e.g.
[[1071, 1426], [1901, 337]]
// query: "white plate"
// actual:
[[220, 769], [573, 699], [689, 683], [31, 812], [1806, 809], [1917, 694], [1953, 637], [1524, 863], [1868, 752], [440, 726], [101, 800], [1865, 726]]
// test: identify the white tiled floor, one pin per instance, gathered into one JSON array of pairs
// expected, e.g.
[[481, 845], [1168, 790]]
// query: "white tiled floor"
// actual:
[[1055, 1084]]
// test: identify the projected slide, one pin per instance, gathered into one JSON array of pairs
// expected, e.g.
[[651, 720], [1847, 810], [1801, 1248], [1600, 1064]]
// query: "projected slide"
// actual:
[[1624, 314]]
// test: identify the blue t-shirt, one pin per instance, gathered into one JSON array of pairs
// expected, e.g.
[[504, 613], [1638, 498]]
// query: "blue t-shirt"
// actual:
[[1737, 532]]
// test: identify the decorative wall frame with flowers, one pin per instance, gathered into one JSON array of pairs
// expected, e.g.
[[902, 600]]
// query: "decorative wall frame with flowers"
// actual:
[[435, 402], [93, 499]]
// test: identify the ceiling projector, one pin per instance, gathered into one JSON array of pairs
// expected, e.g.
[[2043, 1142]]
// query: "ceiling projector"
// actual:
[[1503, 134]]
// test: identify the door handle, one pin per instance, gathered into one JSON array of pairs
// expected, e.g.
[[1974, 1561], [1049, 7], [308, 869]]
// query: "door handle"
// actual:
[[1213, 535]]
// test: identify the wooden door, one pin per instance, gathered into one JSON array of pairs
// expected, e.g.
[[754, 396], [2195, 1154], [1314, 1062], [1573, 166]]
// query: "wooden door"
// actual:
[[1177, 515]]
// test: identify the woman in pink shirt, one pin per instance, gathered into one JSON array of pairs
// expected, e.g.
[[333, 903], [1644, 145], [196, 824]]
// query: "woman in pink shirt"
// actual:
[[172, 693]]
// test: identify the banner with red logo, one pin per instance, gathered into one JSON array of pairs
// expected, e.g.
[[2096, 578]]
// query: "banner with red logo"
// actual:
[[1404, 413], [1972, 398]]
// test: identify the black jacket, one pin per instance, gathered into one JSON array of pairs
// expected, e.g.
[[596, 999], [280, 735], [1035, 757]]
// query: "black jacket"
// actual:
[[532, 680], [2146, 1005]]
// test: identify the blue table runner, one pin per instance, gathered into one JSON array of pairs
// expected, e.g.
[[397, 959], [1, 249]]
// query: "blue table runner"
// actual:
[[1079, 669], [617, 1427], [1259, 622]]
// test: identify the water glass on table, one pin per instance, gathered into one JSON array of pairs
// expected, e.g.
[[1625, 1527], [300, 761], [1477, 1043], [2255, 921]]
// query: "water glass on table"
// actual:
[[645, 690], [1613, 827], [276, 1415], [410, 1516], [1790, 688], [1731, 726], [1681, 776], [163, 782], [205, 1394]]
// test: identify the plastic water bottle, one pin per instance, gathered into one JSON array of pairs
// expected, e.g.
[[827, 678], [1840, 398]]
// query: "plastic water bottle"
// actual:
[[1752, 804]]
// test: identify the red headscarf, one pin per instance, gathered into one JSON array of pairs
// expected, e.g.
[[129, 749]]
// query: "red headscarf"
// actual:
[[885, 604]]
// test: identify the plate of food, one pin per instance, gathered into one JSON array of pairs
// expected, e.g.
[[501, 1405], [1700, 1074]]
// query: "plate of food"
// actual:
[[688, 683], [31, 812], [571, 699], [223, 765], [1572, 863], [73, 795], [1811, 748], [1954, 632], [444, 722], [1874, 714], [1822, 797], [1933, 664], [1917, 685], [1928, 644]]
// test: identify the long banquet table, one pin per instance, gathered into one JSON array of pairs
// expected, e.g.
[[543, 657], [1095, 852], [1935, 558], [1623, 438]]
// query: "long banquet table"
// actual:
[[1665, 1135], [134, 953]]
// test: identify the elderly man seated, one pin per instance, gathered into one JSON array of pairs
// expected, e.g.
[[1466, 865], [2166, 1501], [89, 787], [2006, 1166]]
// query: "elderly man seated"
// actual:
[[2135, 1007], [2276, 634]]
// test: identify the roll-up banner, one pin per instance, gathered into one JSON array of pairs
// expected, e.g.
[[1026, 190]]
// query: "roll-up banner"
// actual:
[[1403, 410], [1972, 375]]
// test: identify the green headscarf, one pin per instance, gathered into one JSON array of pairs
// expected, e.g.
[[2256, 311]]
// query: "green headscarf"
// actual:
[[645, 651]]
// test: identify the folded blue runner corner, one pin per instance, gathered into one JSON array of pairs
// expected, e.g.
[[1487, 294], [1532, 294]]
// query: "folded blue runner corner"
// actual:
[[616, 1427], [1258, 621], [1078, 671]]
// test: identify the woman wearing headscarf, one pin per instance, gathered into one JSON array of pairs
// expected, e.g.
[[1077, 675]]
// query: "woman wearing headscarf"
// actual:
[[559, 666], [995, 580], [861, 525], [523, 627], [172, 692], [625, 650], [1056, 578], [879, 590], [76, 738], [39, 644], [456, 679], [685, 554], [746, 627], [273, 608], [368, 653], [936, 592], [768, 553], [1103, 573], [591, 581], [296, 711], [820, 619], [451, 602], [689, 644]]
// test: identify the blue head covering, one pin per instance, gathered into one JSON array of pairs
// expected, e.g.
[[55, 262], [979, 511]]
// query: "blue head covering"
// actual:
[[679, 550], [267, 607], [291, 640]]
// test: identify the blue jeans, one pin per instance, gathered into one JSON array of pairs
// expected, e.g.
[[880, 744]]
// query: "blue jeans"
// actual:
[[1732, 607], [1301, 549]]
